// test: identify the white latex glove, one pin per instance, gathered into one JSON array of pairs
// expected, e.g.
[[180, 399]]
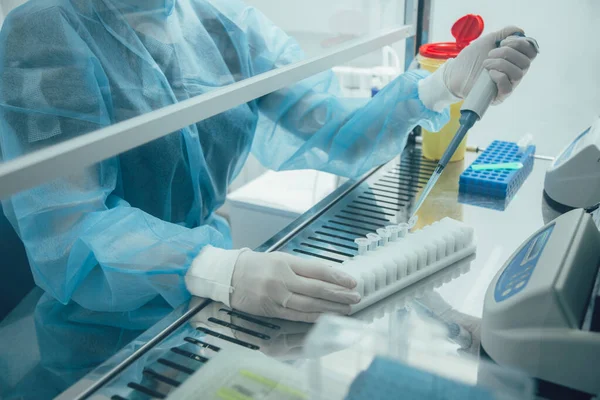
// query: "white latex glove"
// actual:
[[283, 286], [507, 64]]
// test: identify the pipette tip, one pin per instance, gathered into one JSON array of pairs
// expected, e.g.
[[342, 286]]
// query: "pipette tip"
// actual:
[[432, 181]]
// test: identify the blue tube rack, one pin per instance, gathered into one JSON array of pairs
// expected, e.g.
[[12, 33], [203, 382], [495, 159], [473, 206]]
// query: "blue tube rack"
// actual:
[[501, 183]]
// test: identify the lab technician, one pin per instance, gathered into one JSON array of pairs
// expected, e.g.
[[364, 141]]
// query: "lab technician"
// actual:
[[140, 228]]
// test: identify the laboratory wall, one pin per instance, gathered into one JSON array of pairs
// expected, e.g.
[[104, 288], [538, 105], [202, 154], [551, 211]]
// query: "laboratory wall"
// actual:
[[561, 94]]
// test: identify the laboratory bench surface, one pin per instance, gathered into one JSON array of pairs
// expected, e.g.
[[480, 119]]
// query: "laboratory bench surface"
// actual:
[[163, 355]]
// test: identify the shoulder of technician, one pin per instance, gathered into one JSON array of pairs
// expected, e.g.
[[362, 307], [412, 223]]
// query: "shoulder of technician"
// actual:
[[42, 12]]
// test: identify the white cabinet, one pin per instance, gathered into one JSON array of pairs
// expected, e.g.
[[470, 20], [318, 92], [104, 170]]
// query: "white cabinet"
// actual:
[[263, 207]]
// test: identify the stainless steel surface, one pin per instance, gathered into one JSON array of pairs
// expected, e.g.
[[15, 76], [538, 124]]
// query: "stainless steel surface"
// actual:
[[382, 198], [154, 339], [282, 237], [326, 233]]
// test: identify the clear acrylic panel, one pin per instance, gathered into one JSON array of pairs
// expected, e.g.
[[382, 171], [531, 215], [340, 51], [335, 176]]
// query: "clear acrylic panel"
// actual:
[[68, 68], [319, 26], [79, 66]]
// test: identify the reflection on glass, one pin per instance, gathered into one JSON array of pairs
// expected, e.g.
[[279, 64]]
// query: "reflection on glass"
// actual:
[[443, 200], [333, 22], [277, 338], [118, 234], [70, 68]]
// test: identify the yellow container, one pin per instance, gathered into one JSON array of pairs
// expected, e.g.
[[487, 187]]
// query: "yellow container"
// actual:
[[435, 143]]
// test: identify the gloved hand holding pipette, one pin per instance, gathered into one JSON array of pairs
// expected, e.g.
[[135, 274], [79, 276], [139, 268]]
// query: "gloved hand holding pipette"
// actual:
[[481, 81], [507, 65]]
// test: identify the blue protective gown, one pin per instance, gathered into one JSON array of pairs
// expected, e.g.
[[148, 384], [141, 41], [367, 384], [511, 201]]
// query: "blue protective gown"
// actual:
[[115, 236]]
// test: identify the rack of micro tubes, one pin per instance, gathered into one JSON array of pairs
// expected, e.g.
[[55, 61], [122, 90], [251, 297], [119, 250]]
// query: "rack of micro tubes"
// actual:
[[393, 258], [500, 170]]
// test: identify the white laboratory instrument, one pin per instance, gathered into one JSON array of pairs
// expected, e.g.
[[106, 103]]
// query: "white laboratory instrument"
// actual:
[[573, 180], [541, 310], [384, 268]]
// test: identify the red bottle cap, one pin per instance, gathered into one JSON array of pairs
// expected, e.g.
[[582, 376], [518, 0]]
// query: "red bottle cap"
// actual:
[[465, 30]]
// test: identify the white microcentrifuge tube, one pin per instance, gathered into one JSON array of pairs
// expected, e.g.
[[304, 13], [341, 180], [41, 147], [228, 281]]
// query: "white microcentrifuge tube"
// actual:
[[525, 142], [365, 266], [402, 230], [355, 268], [386, 271], [363, 245], [397, 249], [385, 236], [393, 231], [375, 239]]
